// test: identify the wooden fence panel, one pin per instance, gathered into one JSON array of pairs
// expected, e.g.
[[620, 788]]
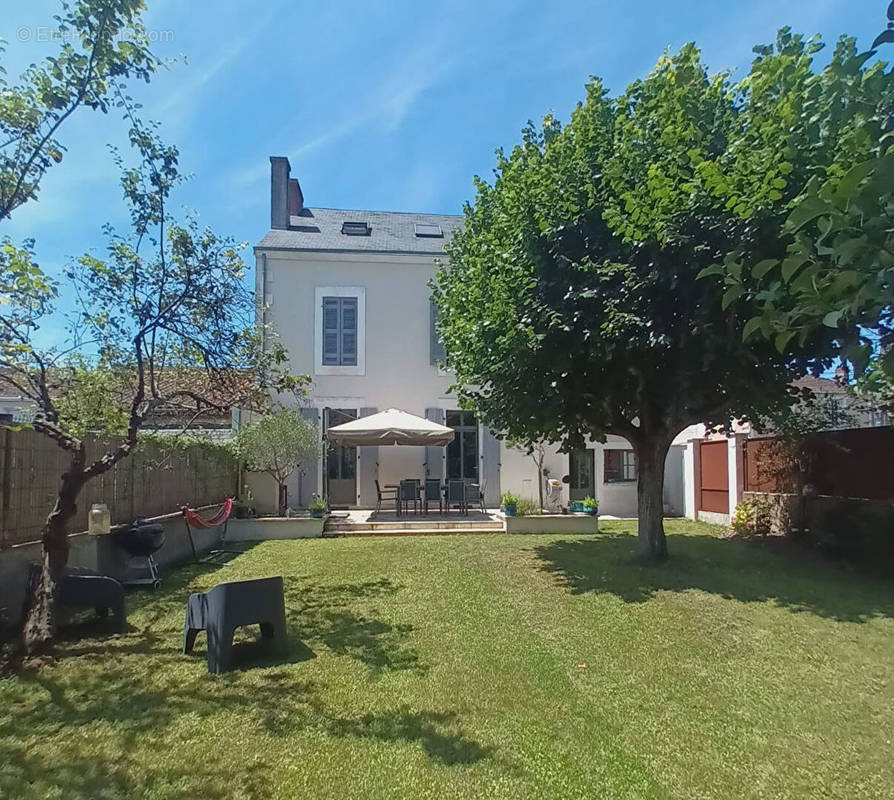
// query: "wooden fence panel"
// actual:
[[857, 463], [714, 477], [154, 480]]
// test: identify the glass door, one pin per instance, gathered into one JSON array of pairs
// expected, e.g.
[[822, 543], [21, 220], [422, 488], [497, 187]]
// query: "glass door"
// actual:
[[583, 474], [462, 452], [341, 463]]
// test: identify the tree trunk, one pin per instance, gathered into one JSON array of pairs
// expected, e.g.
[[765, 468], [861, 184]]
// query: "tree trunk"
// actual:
[[540, 483], [283, 499], [40, 617], [650, 457]]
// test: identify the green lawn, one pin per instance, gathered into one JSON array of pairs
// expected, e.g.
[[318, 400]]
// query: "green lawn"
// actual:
[[483, 666]]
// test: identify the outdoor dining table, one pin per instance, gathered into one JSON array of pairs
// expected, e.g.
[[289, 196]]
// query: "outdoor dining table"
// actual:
[[421, 492]]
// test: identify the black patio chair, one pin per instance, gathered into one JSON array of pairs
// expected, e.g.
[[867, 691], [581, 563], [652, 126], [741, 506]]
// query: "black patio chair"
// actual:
[[433, 493], [408, 493], [384, 494], [456, 496], [475, 496]]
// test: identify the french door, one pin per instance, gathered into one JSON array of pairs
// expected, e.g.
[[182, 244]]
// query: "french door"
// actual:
[[340, 472]]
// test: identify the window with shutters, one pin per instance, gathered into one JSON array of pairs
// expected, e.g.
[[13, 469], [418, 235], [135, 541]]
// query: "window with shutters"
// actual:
[[620, 466], [339, 330]]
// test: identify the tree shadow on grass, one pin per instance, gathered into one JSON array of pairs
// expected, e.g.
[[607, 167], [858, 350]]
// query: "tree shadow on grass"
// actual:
[[750, 572], [130, 689], [327, 614]]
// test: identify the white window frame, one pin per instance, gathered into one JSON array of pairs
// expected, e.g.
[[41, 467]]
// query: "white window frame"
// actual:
[[358, 292]]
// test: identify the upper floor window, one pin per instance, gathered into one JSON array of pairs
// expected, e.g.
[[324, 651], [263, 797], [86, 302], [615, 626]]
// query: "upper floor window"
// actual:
[[339, 330], [620, 465]]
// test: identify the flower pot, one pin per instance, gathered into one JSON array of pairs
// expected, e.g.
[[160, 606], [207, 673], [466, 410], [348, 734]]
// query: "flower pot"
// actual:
[[317, 513], [510, 510], [575, 506], [591, 511]]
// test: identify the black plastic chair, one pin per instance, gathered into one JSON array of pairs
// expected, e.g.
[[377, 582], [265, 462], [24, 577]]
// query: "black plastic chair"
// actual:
[[80, 588], [384, 494], [456, 496], [229, 606], [475, 496], [408, 492], [433, 493]]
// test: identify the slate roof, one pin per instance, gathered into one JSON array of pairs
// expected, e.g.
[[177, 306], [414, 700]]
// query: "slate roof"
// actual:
[[319, 229]]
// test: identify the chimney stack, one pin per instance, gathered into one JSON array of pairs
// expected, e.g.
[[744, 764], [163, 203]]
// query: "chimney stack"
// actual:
[[296, 197], [279, 192]]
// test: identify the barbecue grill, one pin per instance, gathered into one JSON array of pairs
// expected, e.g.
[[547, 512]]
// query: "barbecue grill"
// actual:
[[141, 539]]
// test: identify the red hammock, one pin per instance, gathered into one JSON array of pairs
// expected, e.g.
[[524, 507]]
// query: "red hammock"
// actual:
[[193, 519]]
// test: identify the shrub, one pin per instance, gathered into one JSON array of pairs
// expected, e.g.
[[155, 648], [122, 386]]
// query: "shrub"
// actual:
[[527, 508], [751, 518], [590, 502]]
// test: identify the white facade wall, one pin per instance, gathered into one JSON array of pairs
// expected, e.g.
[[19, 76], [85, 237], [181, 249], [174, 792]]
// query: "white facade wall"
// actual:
[[394, 371], [393, 343], [519, 475]]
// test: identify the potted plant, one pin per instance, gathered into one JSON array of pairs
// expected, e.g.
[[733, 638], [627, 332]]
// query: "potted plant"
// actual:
[[318, 507], [590, 505], [244, 507], [510, 504]]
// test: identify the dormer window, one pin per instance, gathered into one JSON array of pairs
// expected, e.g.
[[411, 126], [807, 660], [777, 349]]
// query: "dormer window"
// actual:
[[355, 229], [429, 230]]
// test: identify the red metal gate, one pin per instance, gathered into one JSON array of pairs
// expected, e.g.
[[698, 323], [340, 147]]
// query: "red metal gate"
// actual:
[[714, 477]]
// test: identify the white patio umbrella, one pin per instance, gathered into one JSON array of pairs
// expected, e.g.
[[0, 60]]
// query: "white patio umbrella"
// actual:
[[394, 427]]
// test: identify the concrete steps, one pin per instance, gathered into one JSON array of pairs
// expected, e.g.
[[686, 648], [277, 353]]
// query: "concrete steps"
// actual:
[[412, 532], [419, 527]]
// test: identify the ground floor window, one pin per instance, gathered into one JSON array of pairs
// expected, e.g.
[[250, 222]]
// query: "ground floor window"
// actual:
[[462, 452], [620, 466]]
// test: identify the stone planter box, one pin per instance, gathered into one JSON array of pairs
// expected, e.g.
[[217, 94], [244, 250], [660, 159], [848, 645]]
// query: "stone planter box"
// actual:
[[553, 523], [264, 528]]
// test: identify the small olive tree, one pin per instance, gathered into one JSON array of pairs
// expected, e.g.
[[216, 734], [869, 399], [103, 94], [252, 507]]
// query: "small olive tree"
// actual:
[[278, 444]]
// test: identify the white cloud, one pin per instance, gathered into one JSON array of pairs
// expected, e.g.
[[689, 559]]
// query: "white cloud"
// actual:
[[418, 69]]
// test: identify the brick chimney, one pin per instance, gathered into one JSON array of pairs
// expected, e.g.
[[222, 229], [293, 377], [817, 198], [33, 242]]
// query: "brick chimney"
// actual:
[[279, 192], [296, 197]]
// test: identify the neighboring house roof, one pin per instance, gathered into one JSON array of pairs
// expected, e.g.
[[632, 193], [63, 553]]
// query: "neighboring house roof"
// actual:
[[819, 385], [320, 230], [173, 414]]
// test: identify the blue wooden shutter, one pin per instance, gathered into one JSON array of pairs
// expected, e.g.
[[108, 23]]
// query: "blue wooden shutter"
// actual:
[[436, 351], [490, 468], [434, 456], [349, 331], [309, 476], [369, 469], [331, 331]]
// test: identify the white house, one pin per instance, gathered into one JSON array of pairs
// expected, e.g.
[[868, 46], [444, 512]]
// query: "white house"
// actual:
[[348, 294]]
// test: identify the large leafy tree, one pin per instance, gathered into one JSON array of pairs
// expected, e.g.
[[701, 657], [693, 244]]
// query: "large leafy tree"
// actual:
[[571, 306], [837, 269]]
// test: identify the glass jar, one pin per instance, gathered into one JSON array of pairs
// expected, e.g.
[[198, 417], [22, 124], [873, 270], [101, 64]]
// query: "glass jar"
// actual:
[[99, 520]]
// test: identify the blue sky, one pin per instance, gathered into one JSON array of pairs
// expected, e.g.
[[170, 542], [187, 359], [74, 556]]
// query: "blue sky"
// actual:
[[386, 106]]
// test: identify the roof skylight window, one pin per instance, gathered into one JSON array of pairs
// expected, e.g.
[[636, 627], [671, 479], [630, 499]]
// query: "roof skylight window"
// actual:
[[355, 229], [429, 230]]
